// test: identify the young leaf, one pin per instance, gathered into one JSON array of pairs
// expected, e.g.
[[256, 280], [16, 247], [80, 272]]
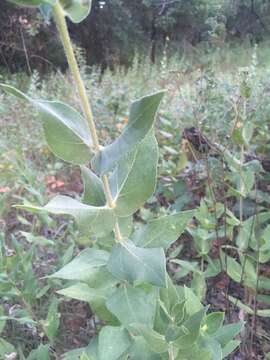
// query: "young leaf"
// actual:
[[214, 322], [162, 232], [154, 340], [93, 189], [134, 179], [76, 10], [140, 350], [67, 132], [81, 267], [90, 219], [190, 330], [133, 305], [112, 342], [131, 263], [141, 119]]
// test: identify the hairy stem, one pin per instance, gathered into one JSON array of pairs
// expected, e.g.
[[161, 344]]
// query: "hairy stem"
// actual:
[[86, 107]]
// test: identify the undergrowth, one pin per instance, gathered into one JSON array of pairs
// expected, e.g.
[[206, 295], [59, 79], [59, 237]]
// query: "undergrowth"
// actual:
[[213, 131]]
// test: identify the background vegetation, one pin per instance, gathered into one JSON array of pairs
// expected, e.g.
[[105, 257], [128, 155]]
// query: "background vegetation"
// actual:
[[117, 30], [213, 57]]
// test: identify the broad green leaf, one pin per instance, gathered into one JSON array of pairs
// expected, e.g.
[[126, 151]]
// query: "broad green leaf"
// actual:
[[52, 322], [193, 304], [214, 322], [199, 286], [214, 348], [90, 219], [131, 263], [95, 297], [134, 179], [76, 10], [247, 132], [41, 353], [91, 351], [162, 232], [190, 330], [32, 2], [169, 295], [5, 348], [112, 342], [228, 332], [67, 132], [141, 119], [93, 188], [140, 350], [194, 353], [133, 305], [155, 341], [81, 267], [179, 312], [234, 269], [230, 347]]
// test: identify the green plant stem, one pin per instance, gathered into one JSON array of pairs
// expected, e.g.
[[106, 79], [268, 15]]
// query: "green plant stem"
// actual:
[[171, 353], [74, 69], [241, 186]]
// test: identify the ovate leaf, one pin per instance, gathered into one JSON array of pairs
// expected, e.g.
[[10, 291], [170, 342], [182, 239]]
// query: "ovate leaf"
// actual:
[[112, 342], [5, 348], [214, 322], [155, 341], [133, 305], [80, 267], [93, 189], [141, 119], [90, 219], [67, 132], [76, 10], [52, 322], [190, 330], [95, 297], [41, 353], [140, 350], [131, 263], [193, 304], [162, 232], [225, 334], [230, 347], [134, 179]]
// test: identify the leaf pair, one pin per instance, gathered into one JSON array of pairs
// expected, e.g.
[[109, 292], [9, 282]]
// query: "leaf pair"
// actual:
[[68, 134]]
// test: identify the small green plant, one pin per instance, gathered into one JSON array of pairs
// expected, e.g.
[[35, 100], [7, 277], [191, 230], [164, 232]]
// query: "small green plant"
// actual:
[[123, 275]]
